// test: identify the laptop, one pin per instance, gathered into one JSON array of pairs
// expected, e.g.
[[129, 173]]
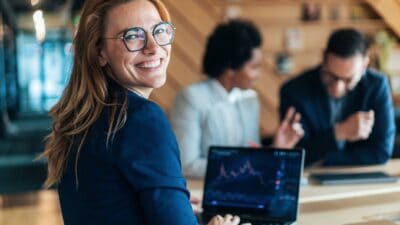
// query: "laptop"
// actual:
[[353, 178], [261, 185]]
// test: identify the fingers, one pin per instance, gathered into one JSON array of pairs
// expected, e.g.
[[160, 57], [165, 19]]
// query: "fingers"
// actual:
[[197, 209], [359, 126], [289, 115], [228, 219], [231, 220], [365, 130], [196, 205], [368, 116], [236, 220], [371, 114], [297, 118], [367, 123], [194, 199], [298, 129], [296, 125], [216, 220], [290, 131]]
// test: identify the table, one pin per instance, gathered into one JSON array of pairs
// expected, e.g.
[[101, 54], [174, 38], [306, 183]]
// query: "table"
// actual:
[[343, 204]]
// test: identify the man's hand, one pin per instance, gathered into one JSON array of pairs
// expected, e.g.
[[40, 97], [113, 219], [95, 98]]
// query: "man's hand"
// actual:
[[290, 131], [356, 127]]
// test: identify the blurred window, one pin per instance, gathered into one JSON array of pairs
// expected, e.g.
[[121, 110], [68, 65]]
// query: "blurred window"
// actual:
[[43, 69]]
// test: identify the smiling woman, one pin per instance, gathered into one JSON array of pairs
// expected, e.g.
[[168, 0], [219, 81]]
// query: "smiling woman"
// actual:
[[112, 152]]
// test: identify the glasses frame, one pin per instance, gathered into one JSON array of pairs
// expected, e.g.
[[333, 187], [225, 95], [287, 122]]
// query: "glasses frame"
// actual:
[[335, 78], [146, 40]]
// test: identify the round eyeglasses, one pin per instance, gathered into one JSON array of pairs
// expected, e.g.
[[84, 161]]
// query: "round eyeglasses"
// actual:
[[135, 38]]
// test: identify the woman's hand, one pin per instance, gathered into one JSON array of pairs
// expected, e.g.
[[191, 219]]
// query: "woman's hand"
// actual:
[[227, 220], [196, 205], [290, 131]]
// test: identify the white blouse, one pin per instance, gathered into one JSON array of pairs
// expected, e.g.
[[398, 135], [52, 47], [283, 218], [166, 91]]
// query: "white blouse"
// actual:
[[205, 114]]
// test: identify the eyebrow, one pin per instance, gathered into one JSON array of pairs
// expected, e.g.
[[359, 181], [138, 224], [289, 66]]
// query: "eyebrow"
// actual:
[[338, 77], [126, 29]]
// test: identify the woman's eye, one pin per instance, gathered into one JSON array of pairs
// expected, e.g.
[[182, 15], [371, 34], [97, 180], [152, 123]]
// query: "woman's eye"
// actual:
[[159, 31], [131, 37]]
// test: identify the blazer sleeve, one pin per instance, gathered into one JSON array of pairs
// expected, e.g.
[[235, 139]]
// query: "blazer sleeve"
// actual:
[[148, 158], [378, 148], [186, 122]]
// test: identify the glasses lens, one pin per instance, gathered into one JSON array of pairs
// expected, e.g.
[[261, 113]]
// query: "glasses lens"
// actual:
[[164, 34], [135, 39]]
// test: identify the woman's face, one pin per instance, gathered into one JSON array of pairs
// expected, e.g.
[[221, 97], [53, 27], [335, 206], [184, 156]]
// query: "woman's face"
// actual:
[[141, 70], [250, 71]]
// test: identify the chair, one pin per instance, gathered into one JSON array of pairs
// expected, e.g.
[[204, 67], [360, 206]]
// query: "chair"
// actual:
[[21, 141]]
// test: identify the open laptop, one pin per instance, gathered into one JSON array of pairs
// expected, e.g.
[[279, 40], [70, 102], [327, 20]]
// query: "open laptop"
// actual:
[[261, 185]]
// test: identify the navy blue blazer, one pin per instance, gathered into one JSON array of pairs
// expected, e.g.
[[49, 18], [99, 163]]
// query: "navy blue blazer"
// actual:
[[308, 95], [138, 180]]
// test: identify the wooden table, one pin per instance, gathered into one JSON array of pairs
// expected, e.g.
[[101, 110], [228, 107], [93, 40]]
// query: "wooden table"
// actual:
[[343, 204], [320, 205]]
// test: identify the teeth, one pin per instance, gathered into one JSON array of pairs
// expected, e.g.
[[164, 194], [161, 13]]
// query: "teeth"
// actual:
[[150, 64]]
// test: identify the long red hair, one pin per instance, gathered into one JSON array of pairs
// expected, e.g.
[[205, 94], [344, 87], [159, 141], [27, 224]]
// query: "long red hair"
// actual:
[[87, 92]]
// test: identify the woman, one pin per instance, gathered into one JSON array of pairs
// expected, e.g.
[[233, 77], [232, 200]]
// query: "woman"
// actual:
[[112, 152], [224, 110]]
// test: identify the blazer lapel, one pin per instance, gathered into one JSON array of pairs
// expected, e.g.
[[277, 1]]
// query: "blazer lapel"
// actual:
[[322, 108]]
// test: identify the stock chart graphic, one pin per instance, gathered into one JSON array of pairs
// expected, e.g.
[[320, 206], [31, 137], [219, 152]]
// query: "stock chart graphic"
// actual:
[[254, 180], [244, 171]]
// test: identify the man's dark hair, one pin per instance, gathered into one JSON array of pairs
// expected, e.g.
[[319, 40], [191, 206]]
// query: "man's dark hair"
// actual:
[[347, 43], [230, 46]]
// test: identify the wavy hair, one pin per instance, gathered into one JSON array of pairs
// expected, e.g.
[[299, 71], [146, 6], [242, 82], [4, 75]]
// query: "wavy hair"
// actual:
[[87, 92]]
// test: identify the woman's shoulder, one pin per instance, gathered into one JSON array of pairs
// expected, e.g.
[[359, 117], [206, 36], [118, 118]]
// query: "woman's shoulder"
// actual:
[[197, 94], [146, 125], [140, 107]]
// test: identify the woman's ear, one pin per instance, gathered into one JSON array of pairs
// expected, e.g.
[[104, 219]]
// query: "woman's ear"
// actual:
[[102, 58], [230, 72]]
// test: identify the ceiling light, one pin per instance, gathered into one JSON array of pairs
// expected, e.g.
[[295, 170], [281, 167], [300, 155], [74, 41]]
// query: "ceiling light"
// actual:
[[40, 25]]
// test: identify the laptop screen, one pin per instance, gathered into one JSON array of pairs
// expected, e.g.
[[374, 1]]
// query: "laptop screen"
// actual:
[[253, 181]]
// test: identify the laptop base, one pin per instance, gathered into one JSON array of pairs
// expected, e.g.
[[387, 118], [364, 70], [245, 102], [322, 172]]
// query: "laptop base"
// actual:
[[203, 220]]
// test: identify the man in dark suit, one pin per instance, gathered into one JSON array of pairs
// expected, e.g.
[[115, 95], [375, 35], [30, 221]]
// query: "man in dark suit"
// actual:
[[347, 111]]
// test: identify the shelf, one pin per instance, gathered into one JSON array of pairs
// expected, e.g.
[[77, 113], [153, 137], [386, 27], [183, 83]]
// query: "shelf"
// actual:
[[363, 23]]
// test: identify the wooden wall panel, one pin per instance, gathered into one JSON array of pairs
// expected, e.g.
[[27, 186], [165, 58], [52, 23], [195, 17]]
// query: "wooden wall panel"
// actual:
[[315, 35], [196, 19], [390, 10], [185, 65]]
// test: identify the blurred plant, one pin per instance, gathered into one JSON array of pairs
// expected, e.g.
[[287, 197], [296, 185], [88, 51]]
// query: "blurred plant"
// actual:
[[385, 43]]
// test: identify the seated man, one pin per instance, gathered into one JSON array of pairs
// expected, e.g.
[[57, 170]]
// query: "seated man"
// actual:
[[347, 112]]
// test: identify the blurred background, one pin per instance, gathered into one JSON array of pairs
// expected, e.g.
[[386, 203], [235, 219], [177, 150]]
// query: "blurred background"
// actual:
[[36, 60]]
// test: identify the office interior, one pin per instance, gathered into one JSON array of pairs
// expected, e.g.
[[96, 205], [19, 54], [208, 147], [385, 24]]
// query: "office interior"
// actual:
[[36, 39]]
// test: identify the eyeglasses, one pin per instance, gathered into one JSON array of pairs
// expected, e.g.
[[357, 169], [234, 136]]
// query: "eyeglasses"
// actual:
[[135, 38], [333, 78]]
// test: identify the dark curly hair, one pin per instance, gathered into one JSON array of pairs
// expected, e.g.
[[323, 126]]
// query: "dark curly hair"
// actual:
[[230, 46]]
